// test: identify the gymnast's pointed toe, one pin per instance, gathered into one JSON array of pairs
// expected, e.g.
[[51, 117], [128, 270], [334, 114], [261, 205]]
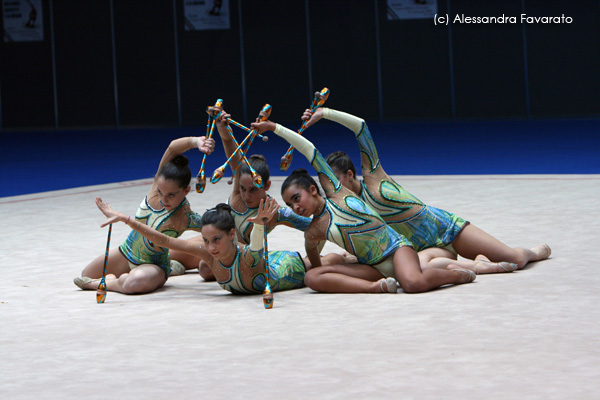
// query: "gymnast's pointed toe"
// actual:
[[548, 249], [541, 252], [467, 275], [177, 268], [508, 267], [81, 281]]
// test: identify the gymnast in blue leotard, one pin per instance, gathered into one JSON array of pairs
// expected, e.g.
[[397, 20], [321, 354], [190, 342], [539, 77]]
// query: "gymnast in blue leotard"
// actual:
[[443, 234], [344, 219]]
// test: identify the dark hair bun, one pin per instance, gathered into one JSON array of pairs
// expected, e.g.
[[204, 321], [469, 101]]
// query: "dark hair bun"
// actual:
[[180, 161], [223, 207], [219, 216], [177, 170], [299, 171], [259, 164], [258, 157]]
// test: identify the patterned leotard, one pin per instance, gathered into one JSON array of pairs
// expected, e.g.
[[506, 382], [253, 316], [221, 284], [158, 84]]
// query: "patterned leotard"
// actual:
[[346, 220], [246, 275], [285, 217], [139, 250], [423, 225]]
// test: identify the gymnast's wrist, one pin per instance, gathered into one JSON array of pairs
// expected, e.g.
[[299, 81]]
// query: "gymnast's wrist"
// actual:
[[223, 132]]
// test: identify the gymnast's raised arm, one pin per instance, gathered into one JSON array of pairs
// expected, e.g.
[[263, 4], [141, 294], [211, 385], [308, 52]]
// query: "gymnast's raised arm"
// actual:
[[327, 178], [368, 151]]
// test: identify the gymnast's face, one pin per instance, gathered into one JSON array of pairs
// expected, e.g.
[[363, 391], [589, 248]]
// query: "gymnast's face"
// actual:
[[250, 193], [219, 243], [304, 202], [169, 193]]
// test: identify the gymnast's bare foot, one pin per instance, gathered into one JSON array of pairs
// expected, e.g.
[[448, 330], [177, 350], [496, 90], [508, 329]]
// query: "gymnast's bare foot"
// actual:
[[483, 265]]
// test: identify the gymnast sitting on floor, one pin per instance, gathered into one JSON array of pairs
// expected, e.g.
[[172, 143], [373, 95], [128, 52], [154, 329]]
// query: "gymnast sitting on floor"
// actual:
[[138, 266]]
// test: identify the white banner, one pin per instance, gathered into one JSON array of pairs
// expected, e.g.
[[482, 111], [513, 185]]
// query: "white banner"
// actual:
[[206, 14], [411, 9], [23, 21]]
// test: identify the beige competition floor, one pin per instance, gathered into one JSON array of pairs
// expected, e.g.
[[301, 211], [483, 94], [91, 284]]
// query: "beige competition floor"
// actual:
[[531, 334]]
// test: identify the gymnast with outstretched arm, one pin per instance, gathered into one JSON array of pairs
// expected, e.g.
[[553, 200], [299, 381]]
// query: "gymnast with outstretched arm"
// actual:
[[138, 265], [443, 234], [385, 257], [239, 269]]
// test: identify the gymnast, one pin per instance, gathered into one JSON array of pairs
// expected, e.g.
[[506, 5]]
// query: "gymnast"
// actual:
[[245, 199], [385, 257], [140, 266], [239, 270], [442, 234]]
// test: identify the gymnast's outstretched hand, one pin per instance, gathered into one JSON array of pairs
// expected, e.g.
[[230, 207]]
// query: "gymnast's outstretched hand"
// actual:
[[312, 118], [111, 215], [266, 211], [263, 126]]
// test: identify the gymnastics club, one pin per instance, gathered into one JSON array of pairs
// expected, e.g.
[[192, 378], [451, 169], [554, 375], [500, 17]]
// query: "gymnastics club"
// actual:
[[264, 138], [268, 293], [219, 172], [263, 115], [210, 125], [236, 168], [101, 292], [319, 99]]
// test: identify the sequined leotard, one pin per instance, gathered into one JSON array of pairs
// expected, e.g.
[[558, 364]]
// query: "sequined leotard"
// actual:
[[285, 217], [346, 220], [139, 250], [246, 275], [423, 225]]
